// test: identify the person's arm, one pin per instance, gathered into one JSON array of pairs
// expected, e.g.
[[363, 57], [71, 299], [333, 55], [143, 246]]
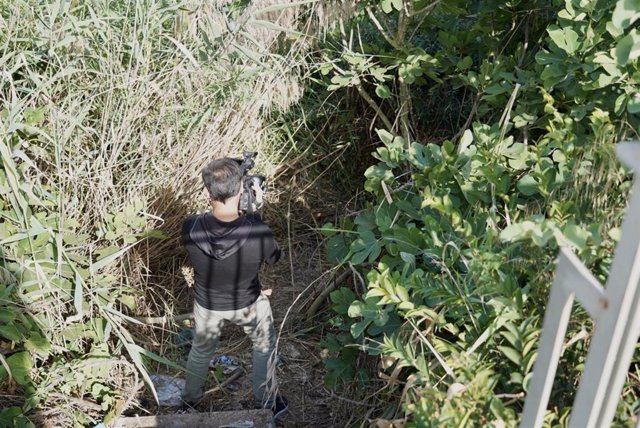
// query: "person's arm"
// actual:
[[273, 253], [270, 250]]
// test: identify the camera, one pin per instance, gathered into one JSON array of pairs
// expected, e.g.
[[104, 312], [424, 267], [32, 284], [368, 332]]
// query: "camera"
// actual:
[[248, 196]]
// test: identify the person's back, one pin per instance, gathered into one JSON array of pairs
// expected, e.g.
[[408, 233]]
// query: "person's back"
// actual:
[[226, 257], [226, 250]]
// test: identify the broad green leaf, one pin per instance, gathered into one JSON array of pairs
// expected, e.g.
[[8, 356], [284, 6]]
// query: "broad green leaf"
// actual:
[[465, 141], [356, 309], [338, 372], [11, 332], [512, 232], [628, 48], [383, 91], [464, 63], [358, 328], [328, 230], [511, 354], [33, 116], [528, 186], [565, 38], [615, 233], [7, 315], [374, 251], [625, 13], [20, 365], [342, 299], [337, 248], [402, 293], [385, 136], [576, 236], [38, 345], [633, 105]]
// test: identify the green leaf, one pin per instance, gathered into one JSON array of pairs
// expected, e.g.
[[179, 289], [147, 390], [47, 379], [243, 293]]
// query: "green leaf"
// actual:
[[7, 315], [339, 371], [33, 116], [576, 236], [615, 234], [38, 345], [565, 38], [633, 105], [386, 6], [340, 81], [20, 365], [512, 232], [153, 233], [6, 277], [511, 354], [328, 229], [107, 260], [625, 13], [464, 63], [628, 48], [356, 309], [337, 248], [528, 186], [358, 328], [155, 357], [383, 91], [11, 332], [342, 299], [465, 141], [385, 136]]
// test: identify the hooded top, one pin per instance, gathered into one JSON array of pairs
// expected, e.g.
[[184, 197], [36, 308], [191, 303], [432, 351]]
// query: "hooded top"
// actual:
[[226, 258]]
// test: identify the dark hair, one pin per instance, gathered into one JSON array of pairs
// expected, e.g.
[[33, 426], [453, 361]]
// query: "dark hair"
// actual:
[[222, 178]]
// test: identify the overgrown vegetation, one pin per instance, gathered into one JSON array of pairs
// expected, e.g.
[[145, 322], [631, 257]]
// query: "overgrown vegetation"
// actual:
[[457, 244], [109, 110], [494, 124]]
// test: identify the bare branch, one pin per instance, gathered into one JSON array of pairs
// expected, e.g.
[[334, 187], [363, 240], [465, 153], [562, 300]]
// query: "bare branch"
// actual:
[[426, 9], [384, 33]]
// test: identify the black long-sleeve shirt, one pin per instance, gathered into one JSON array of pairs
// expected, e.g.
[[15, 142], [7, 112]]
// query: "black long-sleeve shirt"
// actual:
[[226, 258]]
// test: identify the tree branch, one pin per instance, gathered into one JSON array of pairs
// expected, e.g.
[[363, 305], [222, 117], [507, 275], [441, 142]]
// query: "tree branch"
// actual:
[[384, 33]]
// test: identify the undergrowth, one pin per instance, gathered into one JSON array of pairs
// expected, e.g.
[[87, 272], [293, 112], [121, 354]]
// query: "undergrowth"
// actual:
[[497, 123], [109, 110]]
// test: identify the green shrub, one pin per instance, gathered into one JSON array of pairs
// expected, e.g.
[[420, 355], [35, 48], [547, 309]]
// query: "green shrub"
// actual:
[[458, 242]]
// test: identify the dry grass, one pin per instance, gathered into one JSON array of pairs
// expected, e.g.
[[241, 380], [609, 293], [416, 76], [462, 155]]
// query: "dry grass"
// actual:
[[137, 97]]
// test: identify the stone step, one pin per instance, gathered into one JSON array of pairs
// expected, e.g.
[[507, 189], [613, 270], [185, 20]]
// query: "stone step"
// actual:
[[258, 418]]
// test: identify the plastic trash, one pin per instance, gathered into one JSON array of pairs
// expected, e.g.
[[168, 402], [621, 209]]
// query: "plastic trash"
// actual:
[[229, 365], [169, 389]]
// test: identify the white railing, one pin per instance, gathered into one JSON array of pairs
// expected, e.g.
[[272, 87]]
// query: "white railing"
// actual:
[[616, 312]]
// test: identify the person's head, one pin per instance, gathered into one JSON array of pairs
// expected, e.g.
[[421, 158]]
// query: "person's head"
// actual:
[[222, 178]]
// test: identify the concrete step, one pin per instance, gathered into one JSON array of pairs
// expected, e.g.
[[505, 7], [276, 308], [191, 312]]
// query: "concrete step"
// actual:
[[258, 418]]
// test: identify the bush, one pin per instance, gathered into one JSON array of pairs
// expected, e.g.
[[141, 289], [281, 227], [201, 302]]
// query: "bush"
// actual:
[[458, 242]]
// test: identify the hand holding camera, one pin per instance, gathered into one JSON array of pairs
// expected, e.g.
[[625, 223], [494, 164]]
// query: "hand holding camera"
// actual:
[[253, 185]]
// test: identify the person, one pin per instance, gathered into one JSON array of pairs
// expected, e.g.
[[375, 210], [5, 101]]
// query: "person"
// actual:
[[227, 249]]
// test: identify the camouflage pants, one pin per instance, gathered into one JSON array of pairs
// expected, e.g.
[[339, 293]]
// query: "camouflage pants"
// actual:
[[257, 322]]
